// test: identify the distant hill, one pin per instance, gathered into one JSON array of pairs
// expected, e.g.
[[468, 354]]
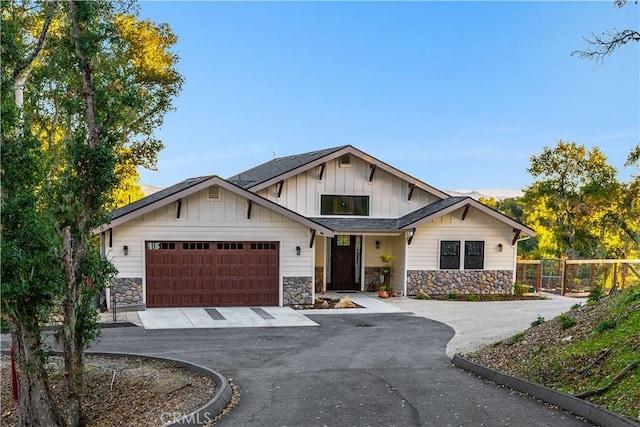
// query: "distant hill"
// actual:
[[149, 189], [496, 193]]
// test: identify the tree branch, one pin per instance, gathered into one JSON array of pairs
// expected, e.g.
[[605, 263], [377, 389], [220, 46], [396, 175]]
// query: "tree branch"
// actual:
[[588, 393], [20, 68], [87, 85]]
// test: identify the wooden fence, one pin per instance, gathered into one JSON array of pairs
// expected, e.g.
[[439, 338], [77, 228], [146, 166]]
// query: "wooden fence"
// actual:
[[577, 276]]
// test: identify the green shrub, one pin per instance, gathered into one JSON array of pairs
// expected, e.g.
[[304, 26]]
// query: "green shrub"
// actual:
[[472, 298], [595, 294], [452, 296], [606, 325], [520, 289], [514, 339], [4, 326], [566, 321], [539, 321], [576, 306]]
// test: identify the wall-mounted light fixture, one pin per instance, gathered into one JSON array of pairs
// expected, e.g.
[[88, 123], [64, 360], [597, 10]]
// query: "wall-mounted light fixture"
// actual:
[[298, 250], [126, 250], [499, 247], [377, 244]]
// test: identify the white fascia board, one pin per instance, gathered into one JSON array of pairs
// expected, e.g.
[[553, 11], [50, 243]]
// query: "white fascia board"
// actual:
[[364, 156], [474, 203]]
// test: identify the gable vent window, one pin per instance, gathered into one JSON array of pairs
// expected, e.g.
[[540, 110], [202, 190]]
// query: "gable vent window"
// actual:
[[345, 161], [214, 192]]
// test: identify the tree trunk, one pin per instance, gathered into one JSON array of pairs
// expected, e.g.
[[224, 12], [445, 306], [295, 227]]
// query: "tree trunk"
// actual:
[[73, 365], [36, 406]]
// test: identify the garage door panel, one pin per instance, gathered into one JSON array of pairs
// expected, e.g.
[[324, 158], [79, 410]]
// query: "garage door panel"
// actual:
[[200, 274]]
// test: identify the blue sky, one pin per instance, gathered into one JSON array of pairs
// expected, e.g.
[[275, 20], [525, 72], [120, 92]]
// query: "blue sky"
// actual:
[[457, 94]]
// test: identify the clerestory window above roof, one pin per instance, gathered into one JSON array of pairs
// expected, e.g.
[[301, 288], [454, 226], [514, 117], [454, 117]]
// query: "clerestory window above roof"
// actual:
[[344, 205]]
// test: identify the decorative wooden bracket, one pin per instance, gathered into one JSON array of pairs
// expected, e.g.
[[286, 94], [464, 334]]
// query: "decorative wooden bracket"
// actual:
[[464, 214], [413, 233], [373, 171], [249, 205], [111, 237], [411, 188], [313, 238], [179, 208], [280, 185], [322, 171], [516, 234]]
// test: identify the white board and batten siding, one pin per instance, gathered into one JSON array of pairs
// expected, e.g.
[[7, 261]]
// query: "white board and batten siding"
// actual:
[[203, 219], [388, 194], [424, 251]]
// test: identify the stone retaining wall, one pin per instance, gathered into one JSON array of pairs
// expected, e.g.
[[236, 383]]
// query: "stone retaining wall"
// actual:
[[465, 282], [297, 291], [127, 291]]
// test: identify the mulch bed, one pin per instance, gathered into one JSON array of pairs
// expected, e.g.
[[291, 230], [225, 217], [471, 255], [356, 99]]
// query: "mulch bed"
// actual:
[[122, 391]]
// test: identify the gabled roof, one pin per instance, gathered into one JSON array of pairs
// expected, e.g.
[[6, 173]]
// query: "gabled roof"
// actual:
[[443, 207], [192, 186], [275, 170], [158, 196], [279, 166], [415, 218]]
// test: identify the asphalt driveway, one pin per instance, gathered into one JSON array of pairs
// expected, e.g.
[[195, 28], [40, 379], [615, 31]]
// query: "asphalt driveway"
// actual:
[[353, 370]]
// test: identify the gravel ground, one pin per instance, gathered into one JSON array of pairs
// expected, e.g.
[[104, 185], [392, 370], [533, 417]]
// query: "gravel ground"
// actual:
[[122, 391], [481, 323]]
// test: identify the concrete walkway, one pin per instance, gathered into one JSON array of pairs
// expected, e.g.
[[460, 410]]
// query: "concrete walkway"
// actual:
[[481, 323]]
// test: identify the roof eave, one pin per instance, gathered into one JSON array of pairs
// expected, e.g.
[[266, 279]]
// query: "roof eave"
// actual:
[[349, 149], [483, 208]]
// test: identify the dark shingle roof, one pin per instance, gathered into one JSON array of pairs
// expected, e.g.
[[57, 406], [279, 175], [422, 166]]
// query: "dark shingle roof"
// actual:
[[428, 210], [360, 223], [157, 196], [277, 167]]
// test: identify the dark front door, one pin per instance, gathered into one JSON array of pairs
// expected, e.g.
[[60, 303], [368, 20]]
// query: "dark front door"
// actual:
[[343, 263]]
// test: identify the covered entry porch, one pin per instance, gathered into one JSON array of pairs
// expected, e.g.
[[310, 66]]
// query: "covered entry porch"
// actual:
[[357, 261]]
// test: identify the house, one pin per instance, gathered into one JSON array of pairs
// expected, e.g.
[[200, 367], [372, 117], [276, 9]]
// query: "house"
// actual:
[[295, 226]]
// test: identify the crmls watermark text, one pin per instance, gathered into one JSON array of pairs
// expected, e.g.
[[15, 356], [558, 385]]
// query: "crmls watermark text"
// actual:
[[181, 418]]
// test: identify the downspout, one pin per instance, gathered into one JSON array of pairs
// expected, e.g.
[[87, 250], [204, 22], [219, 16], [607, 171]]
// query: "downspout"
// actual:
[[515, 258]]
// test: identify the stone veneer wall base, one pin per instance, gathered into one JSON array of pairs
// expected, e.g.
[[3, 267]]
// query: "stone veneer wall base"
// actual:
[[127, 291], [297, 291], [465, 282]]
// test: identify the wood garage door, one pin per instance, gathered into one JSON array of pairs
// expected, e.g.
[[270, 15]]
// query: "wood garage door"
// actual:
[[212, 274]]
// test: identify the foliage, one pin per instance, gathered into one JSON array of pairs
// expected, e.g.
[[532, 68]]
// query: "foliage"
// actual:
[[386, 258], [519, 289], [606, 325], [565, 321], [452, 296], [91, 83], [596, 293], [472, 298], [539, 321], [576, 306]]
